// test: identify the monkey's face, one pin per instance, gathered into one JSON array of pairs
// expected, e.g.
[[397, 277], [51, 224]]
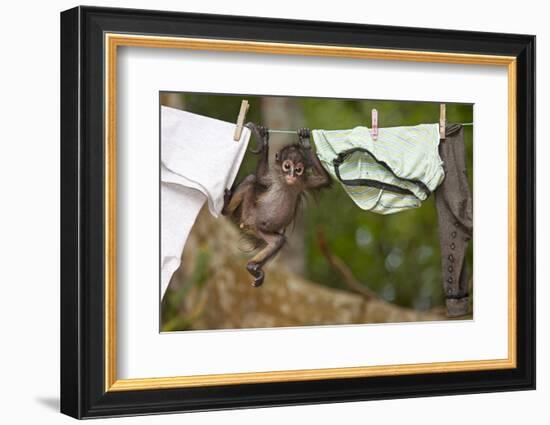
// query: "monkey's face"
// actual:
[[291, 161]]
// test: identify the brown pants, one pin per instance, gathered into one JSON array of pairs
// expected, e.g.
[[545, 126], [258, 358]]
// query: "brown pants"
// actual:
[[454, 209]]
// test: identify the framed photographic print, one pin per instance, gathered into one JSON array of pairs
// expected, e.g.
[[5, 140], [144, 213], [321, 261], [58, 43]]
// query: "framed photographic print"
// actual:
[[261, 212]]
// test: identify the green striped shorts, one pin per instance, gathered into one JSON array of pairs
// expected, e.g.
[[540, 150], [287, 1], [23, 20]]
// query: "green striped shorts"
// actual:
[[396, 172]]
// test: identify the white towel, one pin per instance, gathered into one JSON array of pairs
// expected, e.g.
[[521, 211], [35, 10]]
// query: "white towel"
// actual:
[[199, 160]]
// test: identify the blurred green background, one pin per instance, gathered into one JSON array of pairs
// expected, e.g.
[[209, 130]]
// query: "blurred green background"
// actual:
[[397, 255]]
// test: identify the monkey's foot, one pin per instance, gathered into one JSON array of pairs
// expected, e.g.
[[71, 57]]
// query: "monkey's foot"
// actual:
[[258, 280], [257, 273]]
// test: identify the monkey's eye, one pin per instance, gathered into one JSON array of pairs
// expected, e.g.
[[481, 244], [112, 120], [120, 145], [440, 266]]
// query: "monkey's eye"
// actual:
[[286, 165], [299, 170]]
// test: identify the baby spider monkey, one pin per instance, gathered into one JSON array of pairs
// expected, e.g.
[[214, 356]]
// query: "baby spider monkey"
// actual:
[[264, 204]]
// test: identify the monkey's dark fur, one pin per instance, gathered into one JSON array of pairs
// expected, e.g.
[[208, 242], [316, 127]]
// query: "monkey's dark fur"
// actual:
[[264, 204]]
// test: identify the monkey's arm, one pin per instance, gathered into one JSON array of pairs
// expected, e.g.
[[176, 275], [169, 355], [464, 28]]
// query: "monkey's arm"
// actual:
[[262, 169], [320, 178]]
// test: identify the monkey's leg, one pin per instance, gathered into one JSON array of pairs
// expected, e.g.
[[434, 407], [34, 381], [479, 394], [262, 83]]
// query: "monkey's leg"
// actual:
[[275, 242], [232, 200]]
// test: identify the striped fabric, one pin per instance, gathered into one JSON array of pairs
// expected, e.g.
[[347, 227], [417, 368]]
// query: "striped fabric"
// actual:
[[402, 157]]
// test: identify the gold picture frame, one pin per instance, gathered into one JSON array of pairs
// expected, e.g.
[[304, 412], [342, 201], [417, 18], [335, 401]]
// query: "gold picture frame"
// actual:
[[114, 41]]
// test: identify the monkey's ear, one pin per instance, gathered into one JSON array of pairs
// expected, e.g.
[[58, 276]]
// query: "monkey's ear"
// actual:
[[277, 156]]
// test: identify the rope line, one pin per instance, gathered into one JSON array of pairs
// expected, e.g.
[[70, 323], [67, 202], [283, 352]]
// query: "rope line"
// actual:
[[296, 131]]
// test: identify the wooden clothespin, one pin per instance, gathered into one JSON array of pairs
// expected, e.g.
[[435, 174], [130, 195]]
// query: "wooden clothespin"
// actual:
[[374, 124], [442, 121], [240, 120]]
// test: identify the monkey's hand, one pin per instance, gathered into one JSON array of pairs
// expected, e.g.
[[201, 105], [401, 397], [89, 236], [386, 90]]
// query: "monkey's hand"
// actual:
[[262, 133], [227, 195], [304, 134]]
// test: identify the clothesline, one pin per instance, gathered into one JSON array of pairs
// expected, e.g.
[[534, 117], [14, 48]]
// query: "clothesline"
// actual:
[[296, 131]]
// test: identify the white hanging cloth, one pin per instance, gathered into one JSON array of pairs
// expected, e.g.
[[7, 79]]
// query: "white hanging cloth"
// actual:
[[199, 160]]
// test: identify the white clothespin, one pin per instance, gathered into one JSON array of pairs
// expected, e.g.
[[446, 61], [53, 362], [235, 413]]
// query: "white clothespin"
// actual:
[[240, 120], [442, 121], [374, 124]]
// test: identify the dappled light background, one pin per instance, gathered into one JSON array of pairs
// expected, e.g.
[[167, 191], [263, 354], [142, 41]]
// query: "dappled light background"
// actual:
[[395, 256]]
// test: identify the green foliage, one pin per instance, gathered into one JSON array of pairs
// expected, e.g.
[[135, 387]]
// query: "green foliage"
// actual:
[[397, 255]]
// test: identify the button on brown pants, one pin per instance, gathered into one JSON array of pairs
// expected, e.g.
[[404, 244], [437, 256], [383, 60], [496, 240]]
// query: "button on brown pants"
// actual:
[[454, 209]]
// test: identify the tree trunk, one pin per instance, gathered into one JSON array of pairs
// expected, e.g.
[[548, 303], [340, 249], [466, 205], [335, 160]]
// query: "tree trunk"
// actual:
[[173, 100], [223, 297], [285, 113]]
